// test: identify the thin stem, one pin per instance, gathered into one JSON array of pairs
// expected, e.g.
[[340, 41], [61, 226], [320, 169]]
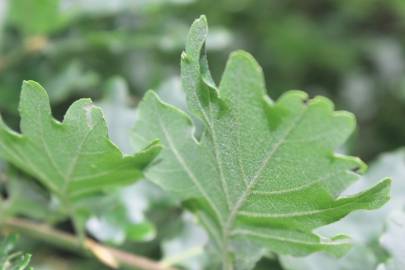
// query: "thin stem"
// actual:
[[109, 256], [227, 263]]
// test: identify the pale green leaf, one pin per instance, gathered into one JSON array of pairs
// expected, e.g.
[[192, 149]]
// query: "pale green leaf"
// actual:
[[73, 158], [263, 173], [393, 240]]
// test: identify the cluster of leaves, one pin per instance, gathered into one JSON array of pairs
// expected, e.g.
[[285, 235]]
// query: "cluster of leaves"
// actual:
[[259, 175]]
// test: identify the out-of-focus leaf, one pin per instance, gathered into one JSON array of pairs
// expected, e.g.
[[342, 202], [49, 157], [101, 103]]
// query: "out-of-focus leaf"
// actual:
[[3, 8], [388, 55], [122, 217], [73, 159], [263, 172], [119, 116], [359, 95], [10, 259], [359, 258], [72, 79], [36, 16], [393, 240], [22, 192], [111, 7], [114, 226], [188, 247], [170, 92], [8, 98], [173, 37], [93, 6]]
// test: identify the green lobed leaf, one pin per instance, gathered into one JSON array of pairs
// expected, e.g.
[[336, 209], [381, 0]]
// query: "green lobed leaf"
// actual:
[[74, 158], [263, 173], [366, 228]]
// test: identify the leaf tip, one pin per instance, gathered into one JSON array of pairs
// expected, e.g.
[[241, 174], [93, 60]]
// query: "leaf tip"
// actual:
[[242, 55], [349, 117], [200, 24], [150, 95], [379, 194], [30, 87], [202, 19], [29, 84], [197, 36], [33, 95], [147, 155]]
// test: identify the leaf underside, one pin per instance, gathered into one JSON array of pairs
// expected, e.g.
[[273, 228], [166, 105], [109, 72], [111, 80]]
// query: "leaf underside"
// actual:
[[262, 172], [73, 158]]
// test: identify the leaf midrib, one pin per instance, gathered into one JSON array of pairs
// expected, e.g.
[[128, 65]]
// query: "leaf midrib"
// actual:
[[46, 148], [253, 182], [291, 240], [73, 163], [66, 178], [189, 172]]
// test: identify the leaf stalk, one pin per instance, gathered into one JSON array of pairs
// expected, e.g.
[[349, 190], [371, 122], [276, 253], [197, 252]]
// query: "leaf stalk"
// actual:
[[112, 257]]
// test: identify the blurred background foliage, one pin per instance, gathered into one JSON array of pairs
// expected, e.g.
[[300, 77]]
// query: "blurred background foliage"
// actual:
[[352, 51]]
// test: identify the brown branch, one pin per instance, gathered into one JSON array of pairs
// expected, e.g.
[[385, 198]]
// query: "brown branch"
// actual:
[[109, 256]]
